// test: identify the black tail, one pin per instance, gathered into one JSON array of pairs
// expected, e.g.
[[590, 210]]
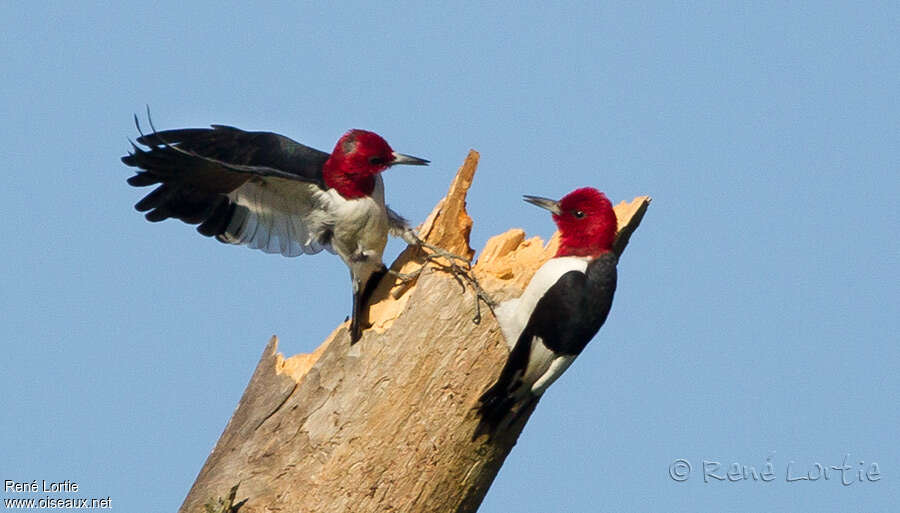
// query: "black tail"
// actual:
[[497, 401], [493, 406], [360, 300], [359, 303]]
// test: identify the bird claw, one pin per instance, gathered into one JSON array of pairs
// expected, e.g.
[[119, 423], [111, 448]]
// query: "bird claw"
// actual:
[[480, 295], [437, 252], [462, 275], [405, 278]]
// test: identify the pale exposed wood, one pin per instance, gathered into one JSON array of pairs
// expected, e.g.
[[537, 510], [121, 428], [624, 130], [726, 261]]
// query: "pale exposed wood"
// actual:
[[385, 424]]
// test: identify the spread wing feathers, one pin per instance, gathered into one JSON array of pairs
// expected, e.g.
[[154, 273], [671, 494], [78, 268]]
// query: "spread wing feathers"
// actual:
[[255, 188], [291, 218]]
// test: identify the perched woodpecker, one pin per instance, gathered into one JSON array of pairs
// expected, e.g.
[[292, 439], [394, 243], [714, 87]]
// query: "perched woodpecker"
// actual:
[[269, 192], [562, 308]]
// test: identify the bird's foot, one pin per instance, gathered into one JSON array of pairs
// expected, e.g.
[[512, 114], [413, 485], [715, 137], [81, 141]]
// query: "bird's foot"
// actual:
[[463, 276], [461, 273], [438, 252], [405, 278], [480, 293]]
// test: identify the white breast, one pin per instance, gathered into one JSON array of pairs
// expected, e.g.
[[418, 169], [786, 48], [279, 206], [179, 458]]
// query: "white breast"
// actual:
[[360, 225]]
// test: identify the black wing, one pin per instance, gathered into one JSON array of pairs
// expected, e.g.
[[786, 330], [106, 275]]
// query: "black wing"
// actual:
[[254, 188], [259, 153], [566, 318], [571, 312]]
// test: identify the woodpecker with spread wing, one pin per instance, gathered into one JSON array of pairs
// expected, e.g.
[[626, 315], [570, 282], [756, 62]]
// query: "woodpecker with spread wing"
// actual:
[[562, 308], [269, 192]]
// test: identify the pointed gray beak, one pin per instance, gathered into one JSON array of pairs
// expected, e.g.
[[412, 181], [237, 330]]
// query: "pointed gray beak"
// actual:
[[549, 204], [400, 158]]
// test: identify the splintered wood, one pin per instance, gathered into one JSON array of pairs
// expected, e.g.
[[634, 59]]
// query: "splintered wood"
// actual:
[[386, 424]]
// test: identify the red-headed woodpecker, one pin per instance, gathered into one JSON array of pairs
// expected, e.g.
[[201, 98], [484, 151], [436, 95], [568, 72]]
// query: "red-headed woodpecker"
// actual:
[[275, 194], [562, 308]]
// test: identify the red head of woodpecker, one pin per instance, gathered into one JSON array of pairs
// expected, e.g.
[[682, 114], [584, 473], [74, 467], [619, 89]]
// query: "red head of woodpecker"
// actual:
[[269, 192], [357, 159], [561, 310]]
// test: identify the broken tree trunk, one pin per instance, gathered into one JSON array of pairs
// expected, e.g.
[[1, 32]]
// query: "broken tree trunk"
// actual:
[[386, 424]]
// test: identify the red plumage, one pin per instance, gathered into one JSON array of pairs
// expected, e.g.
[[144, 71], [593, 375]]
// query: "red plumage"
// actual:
[[587, 223]]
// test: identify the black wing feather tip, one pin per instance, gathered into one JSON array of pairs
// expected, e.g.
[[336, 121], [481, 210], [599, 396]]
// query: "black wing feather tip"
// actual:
[[156, 198], [150, 118], [143, 180], [217, 222], [157, 215], [128, 160]]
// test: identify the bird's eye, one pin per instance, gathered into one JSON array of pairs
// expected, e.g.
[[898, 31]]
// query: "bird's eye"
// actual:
[[376, 161], [579, 214]]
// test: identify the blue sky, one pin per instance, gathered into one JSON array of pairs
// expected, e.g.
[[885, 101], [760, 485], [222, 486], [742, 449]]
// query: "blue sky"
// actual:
[[757, 310]]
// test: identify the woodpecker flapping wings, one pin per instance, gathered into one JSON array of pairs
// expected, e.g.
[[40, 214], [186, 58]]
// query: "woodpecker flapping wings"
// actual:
[[272, 193], [562, 308]]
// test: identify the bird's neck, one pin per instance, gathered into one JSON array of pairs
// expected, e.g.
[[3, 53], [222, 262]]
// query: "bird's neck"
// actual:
[[580, 251], [348, 185]]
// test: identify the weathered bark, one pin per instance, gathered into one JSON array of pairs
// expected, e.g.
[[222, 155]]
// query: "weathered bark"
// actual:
[[386, 424]]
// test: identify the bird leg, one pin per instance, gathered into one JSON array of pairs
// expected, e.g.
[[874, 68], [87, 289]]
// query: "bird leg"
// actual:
[[412, 238], [438, 252], [463, 276]]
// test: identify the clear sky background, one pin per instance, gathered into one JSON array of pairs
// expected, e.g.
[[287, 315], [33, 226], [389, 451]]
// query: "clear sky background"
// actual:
[[757, 310]]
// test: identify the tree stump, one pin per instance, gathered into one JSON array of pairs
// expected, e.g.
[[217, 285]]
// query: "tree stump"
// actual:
[[386, 424]]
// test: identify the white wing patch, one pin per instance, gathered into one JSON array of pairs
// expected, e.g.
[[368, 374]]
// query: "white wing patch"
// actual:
[[554, 371], [281, 216], [513, 315], [544, 367]]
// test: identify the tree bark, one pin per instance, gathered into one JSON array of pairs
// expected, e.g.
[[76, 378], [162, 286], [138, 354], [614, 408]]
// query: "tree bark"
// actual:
[[386, 424]]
